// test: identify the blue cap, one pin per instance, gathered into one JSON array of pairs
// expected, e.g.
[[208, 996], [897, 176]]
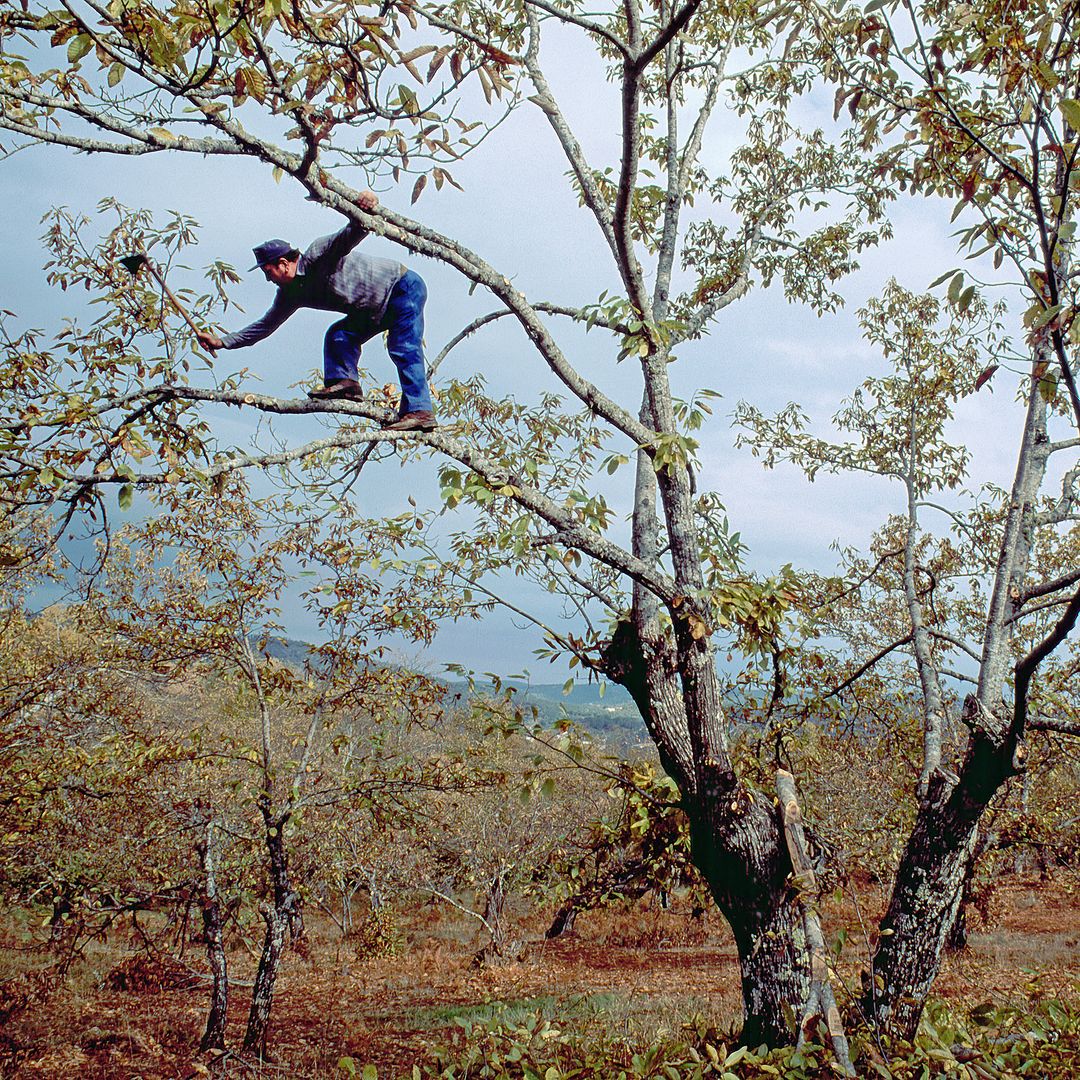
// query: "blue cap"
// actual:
[[270, 251]]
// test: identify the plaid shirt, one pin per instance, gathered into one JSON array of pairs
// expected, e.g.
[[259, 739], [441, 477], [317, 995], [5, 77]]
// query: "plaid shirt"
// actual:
[[330, 277]]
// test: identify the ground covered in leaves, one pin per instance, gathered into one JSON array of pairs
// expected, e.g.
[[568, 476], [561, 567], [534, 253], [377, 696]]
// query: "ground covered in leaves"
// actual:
[[626, 981]]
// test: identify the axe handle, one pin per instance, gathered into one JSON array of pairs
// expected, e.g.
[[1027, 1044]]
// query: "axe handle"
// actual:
[[176, 303]]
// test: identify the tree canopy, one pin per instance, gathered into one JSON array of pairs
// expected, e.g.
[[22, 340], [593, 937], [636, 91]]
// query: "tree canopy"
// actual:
[[957, 103]]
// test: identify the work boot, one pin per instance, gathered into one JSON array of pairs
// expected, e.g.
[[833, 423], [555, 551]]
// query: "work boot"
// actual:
[[348, 389], [421, 420]]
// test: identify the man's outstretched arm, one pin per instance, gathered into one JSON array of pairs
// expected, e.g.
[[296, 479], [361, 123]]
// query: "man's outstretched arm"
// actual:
[[279, 311]]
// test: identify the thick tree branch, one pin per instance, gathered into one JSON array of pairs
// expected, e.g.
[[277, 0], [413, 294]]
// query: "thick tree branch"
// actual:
[[571, 531], [1060, 727], [677, 23], [1047, 587], [1026, 667]]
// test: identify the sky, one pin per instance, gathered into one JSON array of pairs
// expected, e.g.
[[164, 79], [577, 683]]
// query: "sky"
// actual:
[[519, 213]]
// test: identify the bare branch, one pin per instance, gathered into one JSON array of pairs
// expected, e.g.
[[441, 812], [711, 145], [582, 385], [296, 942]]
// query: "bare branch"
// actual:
[[1026, 667], [865, 667], [1052, 586], [571, 531], [577, 314], [1060, 727]]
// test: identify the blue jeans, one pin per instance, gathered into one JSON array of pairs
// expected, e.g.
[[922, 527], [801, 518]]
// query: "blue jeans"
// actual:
[[403, 323]]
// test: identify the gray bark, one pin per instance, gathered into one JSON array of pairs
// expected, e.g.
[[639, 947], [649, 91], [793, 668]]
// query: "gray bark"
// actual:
[[213, 931], [936, 860], [819, 1009]]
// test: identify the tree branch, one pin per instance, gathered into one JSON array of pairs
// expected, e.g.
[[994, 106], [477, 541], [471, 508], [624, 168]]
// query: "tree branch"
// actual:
[[572, 531], [1026, 667], [864, 668]]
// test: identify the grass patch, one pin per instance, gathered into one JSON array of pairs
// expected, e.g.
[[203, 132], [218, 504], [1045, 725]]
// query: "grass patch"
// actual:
[[513, 1012]]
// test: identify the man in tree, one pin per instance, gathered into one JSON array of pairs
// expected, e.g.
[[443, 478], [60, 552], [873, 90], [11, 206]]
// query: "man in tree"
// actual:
[[375, 295]]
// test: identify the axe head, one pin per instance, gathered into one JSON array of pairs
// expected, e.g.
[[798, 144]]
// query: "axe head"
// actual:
[[133, 263]]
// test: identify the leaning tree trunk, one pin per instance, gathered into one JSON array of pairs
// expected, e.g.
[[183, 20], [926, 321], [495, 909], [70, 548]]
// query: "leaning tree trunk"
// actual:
[[262, 996], [929, 885], [956, 940], [930, 879]]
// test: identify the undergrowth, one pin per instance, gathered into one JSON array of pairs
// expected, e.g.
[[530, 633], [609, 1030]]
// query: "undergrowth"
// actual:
[[988, 1042]]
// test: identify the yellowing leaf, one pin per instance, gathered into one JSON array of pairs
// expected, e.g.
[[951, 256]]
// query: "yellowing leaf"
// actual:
[[1070, 109]]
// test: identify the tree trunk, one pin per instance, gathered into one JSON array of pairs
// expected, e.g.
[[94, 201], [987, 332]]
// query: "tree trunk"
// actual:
[[957, 937], [564, 920], [281, 917], [929, 886], [745, 863], [262, 996], [936, 860], [499, 950], [286, 899], [774, 964], [820, 1017], [213, 932], [738, 843]]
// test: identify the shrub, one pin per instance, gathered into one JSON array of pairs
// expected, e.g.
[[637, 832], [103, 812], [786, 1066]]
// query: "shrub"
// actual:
[[377, 935]]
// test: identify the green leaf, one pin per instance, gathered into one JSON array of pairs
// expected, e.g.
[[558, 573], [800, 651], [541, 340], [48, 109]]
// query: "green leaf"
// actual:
[[955, 286], [938, 280], [1070, 109], [1048, 386], [1044, 317], [125, 496], [78, 47]]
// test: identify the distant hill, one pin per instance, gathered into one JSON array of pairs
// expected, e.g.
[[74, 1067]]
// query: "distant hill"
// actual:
[[613, 716], [287, 650], [609, 712], [581, 693]]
